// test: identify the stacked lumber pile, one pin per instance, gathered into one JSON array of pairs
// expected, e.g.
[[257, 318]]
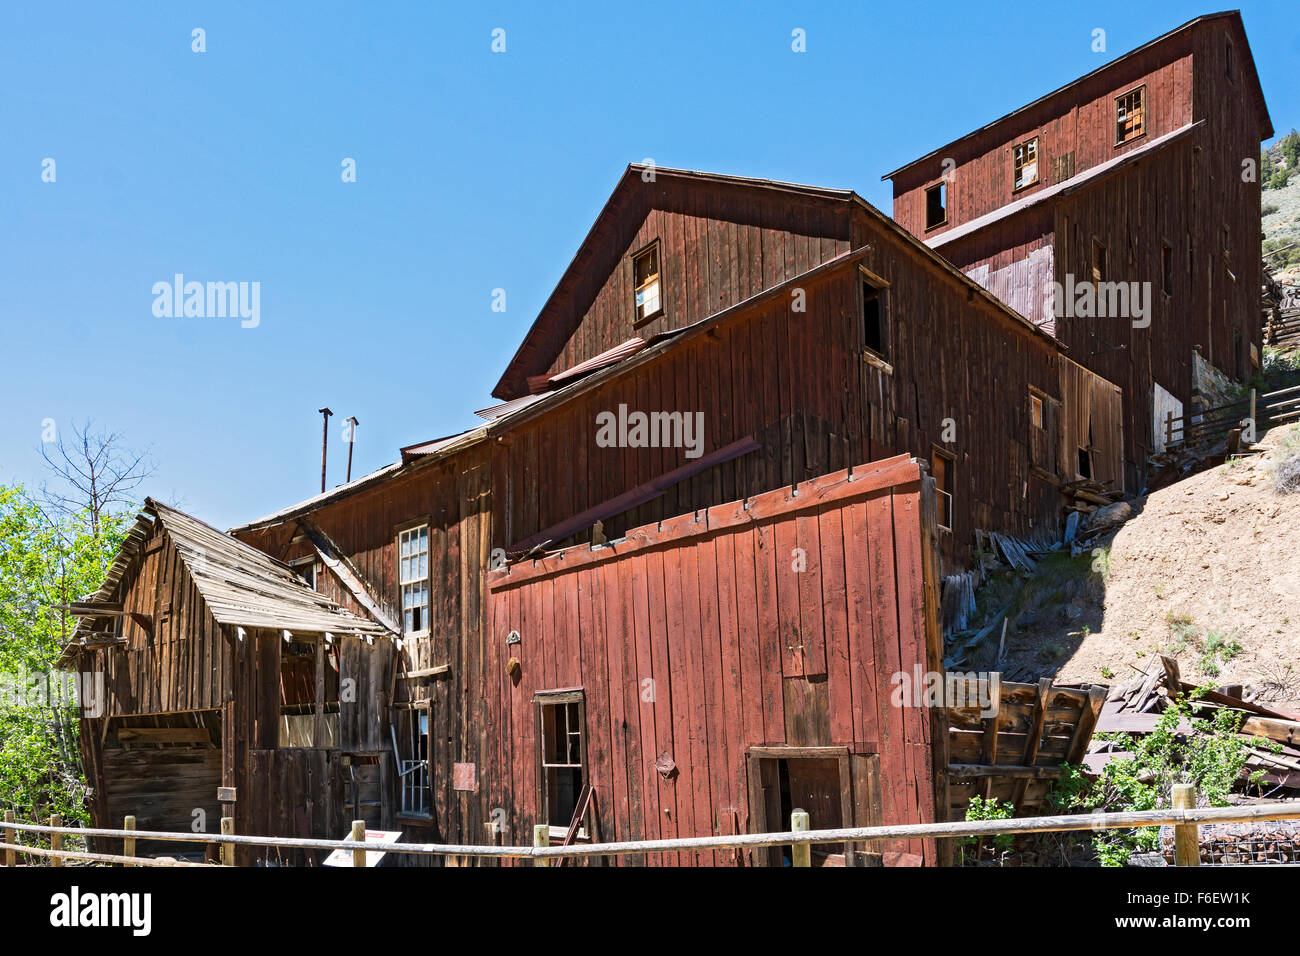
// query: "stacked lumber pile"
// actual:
[[1135, 708]]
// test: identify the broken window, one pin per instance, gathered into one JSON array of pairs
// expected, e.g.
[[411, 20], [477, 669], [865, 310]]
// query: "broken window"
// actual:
[[305, 568], [309, 695], [942, 465], [1130, 115], [1098, 261], [645, 275], [936, 205], [1167, 268], [873, 318], [1025, 160], [413, 576], [412, 733], [563, 749]]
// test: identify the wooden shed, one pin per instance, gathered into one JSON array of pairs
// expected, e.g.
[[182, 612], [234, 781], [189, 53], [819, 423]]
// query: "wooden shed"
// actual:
[[229, 688]]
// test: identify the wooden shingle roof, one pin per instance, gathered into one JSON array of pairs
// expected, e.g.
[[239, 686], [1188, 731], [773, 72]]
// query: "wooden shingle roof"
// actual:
[[240, 585]]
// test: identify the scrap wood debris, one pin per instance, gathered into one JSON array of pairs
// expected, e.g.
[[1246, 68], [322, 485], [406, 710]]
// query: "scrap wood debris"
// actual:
[[1135, 707]]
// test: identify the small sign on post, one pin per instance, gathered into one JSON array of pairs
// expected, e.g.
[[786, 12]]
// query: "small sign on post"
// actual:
[[372, 857]]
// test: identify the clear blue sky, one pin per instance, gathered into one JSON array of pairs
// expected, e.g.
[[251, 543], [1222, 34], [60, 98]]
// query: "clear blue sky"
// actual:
[[475, 171]]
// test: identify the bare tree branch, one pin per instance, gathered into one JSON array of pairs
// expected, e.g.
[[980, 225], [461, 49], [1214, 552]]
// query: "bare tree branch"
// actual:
[[97, 472]]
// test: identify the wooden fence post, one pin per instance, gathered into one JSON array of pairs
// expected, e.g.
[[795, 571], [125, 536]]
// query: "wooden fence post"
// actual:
[[1254, 429], [128, 843], [800, 853], [1169, 428], [56, 840], [359, 836], [1187, 836], [11, 858], [227, 849], [541, 837]]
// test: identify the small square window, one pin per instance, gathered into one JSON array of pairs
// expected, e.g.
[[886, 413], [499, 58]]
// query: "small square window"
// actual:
[[413, 577], [645, 276], [1025, 160], [1130, 115], [936, 205]]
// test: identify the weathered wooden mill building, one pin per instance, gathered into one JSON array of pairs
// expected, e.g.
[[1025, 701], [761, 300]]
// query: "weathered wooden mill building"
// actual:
[[665, 587], [1143, 171]]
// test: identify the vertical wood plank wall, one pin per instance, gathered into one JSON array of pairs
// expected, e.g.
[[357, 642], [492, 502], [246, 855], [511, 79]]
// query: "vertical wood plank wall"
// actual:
[[696, 637]]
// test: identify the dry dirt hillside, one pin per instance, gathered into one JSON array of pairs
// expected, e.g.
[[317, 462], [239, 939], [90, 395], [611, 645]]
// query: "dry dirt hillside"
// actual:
[[1209, 569]]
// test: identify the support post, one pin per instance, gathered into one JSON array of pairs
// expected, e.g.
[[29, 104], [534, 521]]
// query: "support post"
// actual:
[[227, 849], [56, 840], [800, 853], [1254, 428], [541, 837], [1169, 429], [1187, 836], [11, 858], [359, 836], [128, 843]]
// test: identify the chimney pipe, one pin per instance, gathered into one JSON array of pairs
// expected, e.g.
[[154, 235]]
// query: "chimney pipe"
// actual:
[[352, 440], [324, 444]]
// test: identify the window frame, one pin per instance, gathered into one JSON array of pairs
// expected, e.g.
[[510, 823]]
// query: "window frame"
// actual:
[[1140, 89], [1098, 272], [402, 583], [1017, 165], [656, 247], [306, 561], [560, 697], [1036, 406], [409, 716], [880, 289], [947, 199], [941, 494]]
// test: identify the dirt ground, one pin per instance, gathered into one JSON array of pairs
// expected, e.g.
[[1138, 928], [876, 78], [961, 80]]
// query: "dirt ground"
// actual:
[[1207, 571]]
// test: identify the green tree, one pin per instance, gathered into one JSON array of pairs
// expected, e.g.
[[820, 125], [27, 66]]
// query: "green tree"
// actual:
[[45, 561]]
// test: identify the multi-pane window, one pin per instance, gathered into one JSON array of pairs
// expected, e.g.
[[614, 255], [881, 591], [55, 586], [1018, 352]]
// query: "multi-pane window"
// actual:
[[645, 275], [562, 776], [936, 205], [413, 769], [1025, 158], [1130, 115], [413, 575]]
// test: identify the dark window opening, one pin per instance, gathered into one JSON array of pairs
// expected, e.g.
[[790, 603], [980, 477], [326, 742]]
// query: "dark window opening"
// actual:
[[942, 466], [873, 323], [1167, 269], [936, 205], [562, 742], [1227, 61], [1098, 261], [298, 703], [645, 278], [1085, 463]]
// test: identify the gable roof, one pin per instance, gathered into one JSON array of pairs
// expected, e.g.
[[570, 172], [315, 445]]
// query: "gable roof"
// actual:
[[1248, 66], [640, 189], [240, 585]]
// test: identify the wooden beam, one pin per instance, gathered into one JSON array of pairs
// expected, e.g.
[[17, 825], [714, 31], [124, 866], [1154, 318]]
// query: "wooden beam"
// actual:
[[425, 672], [165, 735]]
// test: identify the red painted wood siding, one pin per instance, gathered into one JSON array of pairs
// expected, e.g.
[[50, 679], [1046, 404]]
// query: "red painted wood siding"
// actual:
[[686, 640]]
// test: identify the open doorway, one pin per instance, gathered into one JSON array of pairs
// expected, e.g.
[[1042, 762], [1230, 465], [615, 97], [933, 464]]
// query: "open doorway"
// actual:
[[813, 779]]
